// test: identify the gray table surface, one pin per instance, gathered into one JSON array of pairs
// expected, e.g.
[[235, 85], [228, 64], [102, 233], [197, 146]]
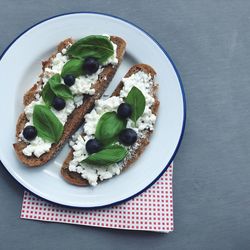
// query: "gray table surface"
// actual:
[[209, 43]]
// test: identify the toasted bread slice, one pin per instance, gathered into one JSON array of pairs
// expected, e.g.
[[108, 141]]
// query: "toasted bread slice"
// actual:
[[75, 178], [76, 117]]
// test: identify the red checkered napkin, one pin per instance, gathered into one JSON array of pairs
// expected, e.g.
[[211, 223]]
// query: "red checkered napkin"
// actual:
[[150, 211]]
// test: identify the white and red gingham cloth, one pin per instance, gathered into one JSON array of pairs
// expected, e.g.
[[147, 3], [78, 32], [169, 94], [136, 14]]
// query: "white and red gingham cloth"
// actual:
[[150, 211]]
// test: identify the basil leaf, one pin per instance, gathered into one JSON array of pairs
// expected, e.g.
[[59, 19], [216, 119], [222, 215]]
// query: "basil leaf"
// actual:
[[107, 156], [47, 124], [95, 46], [47, 94], [55, 79], [73, 67], [137, 101], [59, 89], [108, 127], [62, 91], [54, 88]]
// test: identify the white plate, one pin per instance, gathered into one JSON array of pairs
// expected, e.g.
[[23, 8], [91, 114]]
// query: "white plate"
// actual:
[[20, 66]]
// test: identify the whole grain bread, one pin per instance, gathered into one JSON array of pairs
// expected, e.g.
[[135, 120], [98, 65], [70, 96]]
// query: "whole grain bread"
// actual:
[[75, 178], [76, 117]]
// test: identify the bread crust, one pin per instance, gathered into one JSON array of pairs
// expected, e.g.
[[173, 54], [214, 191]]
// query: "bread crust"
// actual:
[[75, 178], [75, 119]]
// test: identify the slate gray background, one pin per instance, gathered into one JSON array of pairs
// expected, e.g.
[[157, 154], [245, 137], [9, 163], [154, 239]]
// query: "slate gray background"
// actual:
[[209, 43]]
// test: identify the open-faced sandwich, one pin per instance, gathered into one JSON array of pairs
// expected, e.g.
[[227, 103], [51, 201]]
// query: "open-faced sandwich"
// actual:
[[116, 131], [71, 80]]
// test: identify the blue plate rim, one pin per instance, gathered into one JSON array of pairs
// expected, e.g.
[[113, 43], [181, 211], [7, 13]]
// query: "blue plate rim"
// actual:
[[182, 92]]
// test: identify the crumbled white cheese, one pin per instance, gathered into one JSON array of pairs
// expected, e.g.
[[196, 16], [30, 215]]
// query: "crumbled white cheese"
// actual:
[[145, 83], [88, 173], [37, 147], [91, 173], [63, 114], [57, 64], [101, 107], [64, 51], [78, 100], [28, 110], [80, 153], [94, 173], [83, 84], [37, 96]]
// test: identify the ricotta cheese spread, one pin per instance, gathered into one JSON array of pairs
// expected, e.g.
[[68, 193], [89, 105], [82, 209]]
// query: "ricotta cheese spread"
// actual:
[[83, 85], [146, 122]]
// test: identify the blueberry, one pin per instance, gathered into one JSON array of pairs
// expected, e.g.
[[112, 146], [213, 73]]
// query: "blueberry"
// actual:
[[90, 66], [124, 111], [69, 80], [29, 133], [93, 146], [128, 137], [58, 103]]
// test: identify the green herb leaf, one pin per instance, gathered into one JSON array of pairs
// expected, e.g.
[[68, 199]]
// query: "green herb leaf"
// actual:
[[55, 79], [47, 94], [62, 91], [54, 88], [137, 101], [47, 124], [73, 67], [107, 156], [108, 127], [59, 89], [95, 46]]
